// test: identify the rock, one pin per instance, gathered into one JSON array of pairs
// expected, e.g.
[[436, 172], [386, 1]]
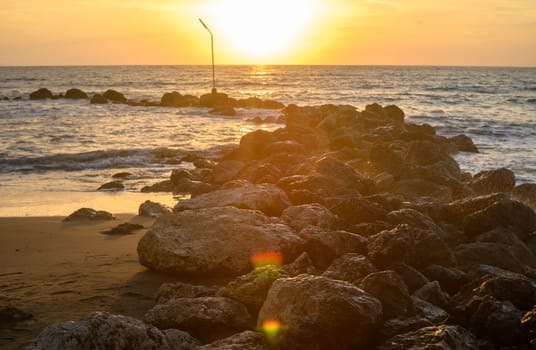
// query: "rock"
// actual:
[[394, 112], [112, 185], [215, 100], [413, 278], [101, 330], [260, 172], [121, 175], [152, 209], [462, 143], [413, 218], [175, 99], [217, 240], [178, 290], [41, 94], [450, 279], [499, 255], [391, 247], [528, 326], [498, 321], [251, 289], [123, 229], [526, 193], [226, 171], [320, 313], [492, 181], [351, 267], [434, 337], [10, 316], [89, 214], [433, 314], [267, 198], [253, 144], [76, 94], [98, 99], [246, 340], [206, 318], [287, 147], [432, 293], [325, 245], [344, 176], [521, 292], [162, 186], [223, 110], [390, 289], [507, 213], [302, 264], [300, 216], [356, 210], [114, 96]]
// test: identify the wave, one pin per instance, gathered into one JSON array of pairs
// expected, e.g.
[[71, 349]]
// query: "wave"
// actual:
[[102, 159]]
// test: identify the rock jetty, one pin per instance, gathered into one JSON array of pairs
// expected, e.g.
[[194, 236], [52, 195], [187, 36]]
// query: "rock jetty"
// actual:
[[344, 229]]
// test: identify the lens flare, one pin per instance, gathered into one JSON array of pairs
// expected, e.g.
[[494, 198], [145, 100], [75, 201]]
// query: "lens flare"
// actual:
[[267, 258], [272, 329]]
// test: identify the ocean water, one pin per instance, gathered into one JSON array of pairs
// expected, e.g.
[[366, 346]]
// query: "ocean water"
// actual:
[[54, 154]]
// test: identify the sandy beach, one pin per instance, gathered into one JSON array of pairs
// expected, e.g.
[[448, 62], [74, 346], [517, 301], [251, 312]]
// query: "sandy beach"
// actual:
[[60, 271]]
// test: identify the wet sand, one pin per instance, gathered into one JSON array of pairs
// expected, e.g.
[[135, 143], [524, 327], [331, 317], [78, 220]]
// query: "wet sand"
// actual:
[[61, 271]]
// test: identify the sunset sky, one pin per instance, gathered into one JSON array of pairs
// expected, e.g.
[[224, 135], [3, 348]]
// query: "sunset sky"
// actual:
[[375, 32]]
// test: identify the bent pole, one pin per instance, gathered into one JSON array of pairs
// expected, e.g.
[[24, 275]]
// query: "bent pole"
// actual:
[[212, 49]]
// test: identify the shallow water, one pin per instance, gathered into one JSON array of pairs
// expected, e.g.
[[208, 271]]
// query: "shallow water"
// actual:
[[50, 148]]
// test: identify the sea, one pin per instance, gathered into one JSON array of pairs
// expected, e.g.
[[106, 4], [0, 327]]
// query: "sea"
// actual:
[[54, 154]]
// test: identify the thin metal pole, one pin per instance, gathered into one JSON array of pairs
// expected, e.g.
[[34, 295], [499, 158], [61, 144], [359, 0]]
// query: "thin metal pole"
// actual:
[[212, 48]]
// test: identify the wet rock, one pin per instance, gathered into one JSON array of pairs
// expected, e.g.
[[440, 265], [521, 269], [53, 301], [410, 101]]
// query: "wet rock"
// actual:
[[434, 337], [300, 216], [112, 185], [178, 290], [321, 313], [89, 214], [101, 330], [162, 186], [267, 198], [492, 181], [246, 340], [98, 99], [152, 209], [498, 321], [324, 245], [390, 289], [251, 289], [41, 94], [123, 229], [114, 96], [432, 293], [76, 94], [391, 247], [351, 267], [223, 110], [526, 193], [206, 318], [432, 313], [519, 291], [217, 240], [226, 171], [121, 175], [462, 143]]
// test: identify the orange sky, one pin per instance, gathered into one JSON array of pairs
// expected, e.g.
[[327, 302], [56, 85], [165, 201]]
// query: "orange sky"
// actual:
[[404, 32]]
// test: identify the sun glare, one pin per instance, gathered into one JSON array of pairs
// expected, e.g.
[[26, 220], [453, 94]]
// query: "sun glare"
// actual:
[[262, 29]]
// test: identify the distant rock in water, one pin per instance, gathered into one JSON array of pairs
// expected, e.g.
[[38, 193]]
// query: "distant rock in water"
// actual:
[[112, 185], [223, 110], [89, 214], [41, 94], [121, 175], [75, 94], [98, 99], [114, 96], [123, 229], [175, 99]]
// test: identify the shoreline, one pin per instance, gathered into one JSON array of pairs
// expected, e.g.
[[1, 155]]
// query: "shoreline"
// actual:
[[60, 271]]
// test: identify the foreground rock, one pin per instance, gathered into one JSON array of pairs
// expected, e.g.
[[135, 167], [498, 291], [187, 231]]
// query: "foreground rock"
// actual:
[[218, 240], [321, 313], [152, 209], [89, 214], [101, 330], [438, 337]]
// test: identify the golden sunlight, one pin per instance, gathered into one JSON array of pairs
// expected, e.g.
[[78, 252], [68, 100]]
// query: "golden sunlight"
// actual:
[[262, 29]]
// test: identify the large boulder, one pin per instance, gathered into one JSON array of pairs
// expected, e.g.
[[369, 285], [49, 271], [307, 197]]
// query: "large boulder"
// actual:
[[351, 267], [492, 181], [89, 214], [101, 330], [206, 318], [218, 240], [267, 198], [462, 143], [300, 216], [41, 94], [152, 209], [114, 96], [526, 193], [321, 313], [390, 289], [245, 340], [75, 94], [434, 337], [392, 247]]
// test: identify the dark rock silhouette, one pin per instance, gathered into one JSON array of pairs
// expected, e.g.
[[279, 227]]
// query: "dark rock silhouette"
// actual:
[[89, 214], [75, 94], [41, 94]]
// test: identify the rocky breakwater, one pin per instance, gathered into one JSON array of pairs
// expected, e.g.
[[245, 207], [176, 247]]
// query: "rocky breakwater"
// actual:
[[344, 229]]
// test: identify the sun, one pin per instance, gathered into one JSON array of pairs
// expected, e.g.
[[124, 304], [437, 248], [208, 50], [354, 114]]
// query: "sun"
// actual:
[[262, 29]]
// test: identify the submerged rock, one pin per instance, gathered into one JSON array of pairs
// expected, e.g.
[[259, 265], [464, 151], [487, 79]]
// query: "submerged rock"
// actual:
[[75, 94], [41, 94], [218, 240], [112, 185]]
